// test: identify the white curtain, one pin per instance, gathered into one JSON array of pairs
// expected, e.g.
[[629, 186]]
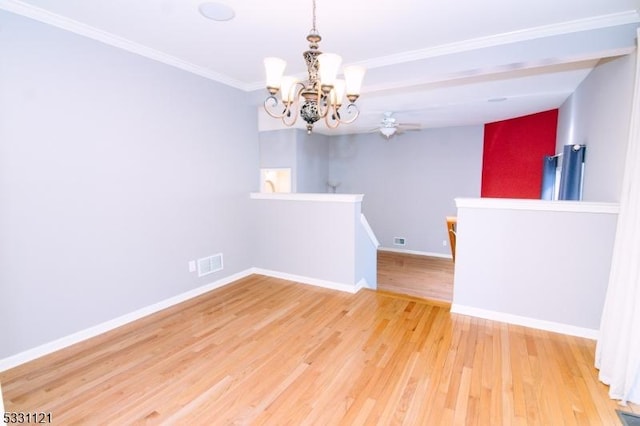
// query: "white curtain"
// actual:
[[618, 348]]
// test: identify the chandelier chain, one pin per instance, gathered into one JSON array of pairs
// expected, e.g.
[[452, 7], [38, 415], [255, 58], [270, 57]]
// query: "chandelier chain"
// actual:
[[313, 26]]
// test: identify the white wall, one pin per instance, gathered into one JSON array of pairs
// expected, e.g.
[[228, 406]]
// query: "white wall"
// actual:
[[597, 115], [115, 171], [543, 261], [410, 181]]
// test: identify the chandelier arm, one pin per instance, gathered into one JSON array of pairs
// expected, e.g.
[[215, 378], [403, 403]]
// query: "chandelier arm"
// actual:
[[331, 121], [274, 103], [324, 105], [289, 119], [352, 109]]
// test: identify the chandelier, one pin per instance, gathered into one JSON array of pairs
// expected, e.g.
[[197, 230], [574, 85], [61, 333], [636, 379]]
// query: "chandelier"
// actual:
[[321, 95]]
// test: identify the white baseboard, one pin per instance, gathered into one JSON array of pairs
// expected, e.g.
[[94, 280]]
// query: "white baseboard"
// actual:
[[349, 288], [90, 332], [420, 253], [556, 327], [104, 327], [363, 284]]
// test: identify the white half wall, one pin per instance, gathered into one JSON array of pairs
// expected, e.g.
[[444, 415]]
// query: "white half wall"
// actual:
[[540, 262], [317, 236]]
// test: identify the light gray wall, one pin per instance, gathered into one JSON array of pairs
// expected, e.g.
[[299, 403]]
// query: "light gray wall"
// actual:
[[312, 163], [544, 265], [598, 115], [306, 155], [366, 260], [410, 181], [115, 171], [312, 239], [278, 150]]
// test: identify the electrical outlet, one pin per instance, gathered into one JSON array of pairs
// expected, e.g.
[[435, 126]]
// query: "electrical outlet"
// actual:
[[444, 243], [192, 266]]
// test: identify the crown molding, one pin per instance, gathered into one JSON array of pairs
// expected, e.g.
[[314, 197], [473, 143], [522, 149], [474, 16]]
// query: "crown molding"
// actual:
[[42, 15], [586, 24]]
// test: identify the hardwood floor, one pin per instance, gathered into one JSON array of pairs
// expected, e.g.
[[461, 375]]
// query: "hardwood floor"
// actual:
[[426, 277], [268, 351]]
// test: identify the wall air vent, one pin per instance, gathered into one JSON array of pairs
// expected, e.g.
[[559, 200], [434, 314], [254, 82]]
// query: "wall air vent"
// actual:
[[399, 241], [209, 265]]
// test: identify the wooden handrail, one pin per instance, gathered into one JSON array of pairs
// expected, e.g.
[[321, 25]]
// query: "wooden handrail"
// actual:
[[452, 222]]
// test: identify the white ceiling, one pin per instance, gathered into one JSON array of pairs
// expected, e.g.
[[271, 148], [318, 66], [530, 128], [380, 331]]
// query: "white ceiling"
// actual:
[[432, 62]]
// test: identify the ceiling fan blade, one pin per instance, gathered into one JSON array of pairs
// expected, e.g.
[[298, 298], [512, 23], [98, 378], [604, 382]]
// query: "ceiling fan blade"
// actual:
[[403, 128], [407, 129]]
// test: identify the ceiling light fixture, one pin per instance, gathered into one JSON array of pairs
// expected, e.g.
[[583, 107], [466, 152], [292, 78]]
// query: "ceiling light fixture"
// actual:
[[318, 97], [217, 11]]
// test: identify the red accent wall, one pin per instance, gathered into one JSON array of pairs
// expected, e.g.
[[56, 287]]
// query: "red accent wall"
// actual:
[[513, 154]]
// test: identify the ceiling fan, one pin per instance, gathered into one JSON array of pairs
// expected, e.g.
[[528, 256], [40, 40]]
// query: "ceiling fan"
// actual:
[[389, 125]]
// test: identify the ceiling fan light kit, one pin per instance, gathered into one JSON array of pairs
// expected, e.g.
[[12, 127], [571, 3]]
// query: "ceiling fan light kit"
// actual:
[[389, 125], [321, 95], [388, 131]]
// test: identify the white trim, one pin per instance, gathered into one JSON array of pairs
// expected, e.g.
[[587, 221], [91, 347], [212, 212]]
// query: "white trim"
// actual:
[[47, 348], [538, 205], [362, 284], [539, 324], [299, 196], [56, 345], [106, 326], [369, 231], [59, 21], [332, 285], [419, 253], [584, 24]]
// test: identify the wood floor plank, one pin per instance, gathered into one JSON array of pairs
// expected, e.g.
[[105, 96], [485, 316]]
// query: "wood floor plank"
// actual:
[[421, 276], [272, 352]]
